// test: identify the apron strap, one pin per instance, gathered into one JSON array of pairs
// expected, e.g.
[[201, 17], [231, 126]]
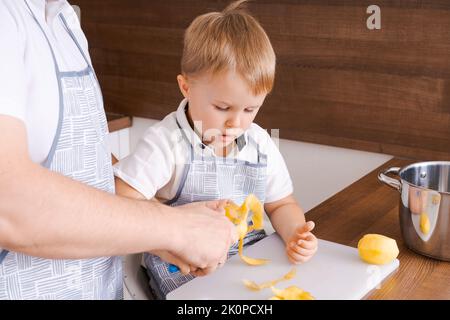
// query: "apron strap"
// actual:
[[64, 21], [48, 160], [46, 38], [186, 139], [186, 169]]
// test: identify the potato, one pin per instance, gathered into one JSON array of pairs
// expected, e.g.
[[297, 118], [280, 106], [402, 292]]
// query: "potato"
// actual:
[[377, 249]]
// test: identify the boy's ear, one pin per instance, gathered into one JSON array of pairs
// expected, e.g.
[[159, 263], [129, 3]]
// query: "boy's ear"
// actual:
[[184, 85]]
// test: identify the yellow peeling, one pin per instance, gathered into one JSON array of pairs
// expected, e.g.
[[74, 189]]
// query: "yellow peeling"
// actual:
[[252, 203], [238, 216], [256, 287], [291, 293], [248, 260]]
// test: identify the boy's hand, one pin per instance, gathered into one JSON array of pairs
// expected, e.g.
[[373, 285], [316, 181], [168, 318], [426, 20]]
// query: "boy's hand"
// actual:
[[302, 245]]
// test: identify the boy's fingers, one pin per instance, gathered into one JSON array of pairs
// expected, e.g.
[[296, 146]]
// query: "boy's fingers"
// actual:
[[305, 236], [310, 226], [302, 251], [307, 244], [291, 259], [306, 228], [295, 257], [311, 238]]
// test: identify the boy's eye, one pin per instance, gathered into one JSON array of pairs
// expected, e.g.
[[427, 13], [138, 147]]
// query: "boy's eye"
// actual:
[[249, 110], [222, 108]]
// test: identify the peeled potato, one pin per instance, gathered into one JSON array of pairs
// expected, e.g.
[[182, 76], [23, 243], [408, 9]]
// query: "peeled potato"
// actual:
[[291, 293], [238, 216], [377, 249], [424, 223]]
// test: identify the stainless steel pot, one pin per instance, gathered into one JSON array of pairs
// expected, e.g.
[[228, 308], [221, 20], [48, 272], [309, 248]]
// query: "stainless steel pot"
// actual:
[[424, 206]]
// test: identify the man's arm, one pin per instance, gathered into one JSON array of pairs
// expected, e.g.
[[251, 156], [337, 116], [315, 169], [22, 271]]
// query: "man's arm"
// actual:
[[45, 214], [125, 190]]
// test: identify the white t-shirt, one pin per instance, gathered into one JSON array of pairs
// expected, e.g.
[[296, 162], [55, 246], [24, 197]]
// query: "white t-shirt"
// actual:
[[28, 85], [156, 166]]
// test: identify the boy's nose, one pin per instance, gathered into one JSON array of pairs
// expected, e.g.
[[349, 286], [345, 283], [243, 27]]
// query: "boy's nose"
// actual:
[[233, 122]]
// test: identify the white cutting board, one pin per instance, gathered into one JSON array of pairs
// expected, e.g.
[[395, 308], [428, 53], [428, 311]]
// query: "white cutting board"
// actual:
[[335, 272]]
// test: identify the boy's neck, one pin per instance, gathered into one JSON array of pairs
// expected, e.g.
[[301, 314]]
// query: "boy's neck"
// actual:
[[225, 151]]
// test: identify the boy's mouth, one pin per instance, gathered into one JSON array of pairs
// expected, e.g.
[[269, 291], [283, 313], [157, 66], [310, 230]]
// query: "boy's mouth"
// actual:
[[223, 138], [226, 138]]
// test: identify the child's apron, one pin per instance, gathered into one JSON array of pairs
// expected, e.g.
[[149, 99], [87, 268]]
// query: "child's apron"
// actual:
[[210, 178]]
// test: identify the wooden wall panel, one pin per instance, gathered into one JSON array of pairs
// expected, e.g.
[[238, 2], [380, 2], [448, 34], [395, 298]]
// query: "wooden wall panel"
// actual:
[[337, 82]]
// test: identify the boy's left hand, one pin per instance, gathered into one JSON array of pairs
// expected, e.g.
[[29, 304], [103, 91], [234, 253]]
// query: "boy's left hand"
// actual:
[[302, 245]]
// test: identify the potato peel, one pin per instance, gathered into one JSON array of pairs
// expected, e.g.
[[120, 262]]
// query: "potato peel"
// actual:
[[257, 287], [248, 260], [238, 216], [291, 293]]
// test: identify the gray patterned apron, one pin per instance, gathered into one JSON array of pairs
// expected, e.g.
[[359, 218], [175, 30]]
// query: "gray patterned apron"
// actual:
[[79, 151], [210, 178]]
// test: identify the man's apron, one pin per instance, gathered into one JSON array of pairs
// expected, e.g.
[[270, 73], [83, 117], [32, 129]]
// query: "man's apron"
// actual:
[[79, 151]]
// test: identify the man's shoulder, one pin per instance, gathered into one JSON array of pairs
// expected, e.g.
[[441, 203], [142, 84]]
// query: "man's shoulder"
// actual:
[[9, 15]]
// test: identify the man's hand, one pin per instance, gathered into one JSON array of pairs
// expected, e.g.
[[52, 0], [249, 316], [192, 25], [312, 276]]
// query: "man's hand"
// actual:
[[170, 258], [204, 236]]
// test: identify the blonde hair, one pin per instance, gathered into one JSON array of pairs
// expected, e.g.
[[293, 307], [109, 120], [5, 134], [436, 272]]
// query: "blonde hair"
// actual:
[[231, 40]]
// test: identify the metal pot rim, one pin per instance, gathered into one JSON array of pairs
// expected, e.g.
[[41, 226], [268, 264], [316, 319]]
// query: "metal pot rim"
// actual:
[[418, 164]]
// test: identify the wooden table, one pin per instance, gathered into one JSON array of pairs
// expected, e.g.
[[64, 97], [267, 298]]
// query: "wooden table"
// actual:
[[368, 206], [118, 122]]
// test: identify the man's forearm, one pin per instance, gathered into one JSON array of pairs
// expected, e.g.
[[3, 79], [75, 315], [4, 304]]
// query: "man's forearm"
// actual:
[[45, 214]]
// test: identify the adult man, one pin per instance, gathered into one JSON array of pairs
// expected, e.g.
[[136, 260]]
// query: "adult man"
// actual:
[[61, 228]]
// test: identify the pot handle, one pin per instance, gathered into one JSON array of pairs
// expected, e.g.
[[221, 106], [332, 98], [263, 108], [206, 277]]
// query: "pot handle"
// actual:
[[393, 183]]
